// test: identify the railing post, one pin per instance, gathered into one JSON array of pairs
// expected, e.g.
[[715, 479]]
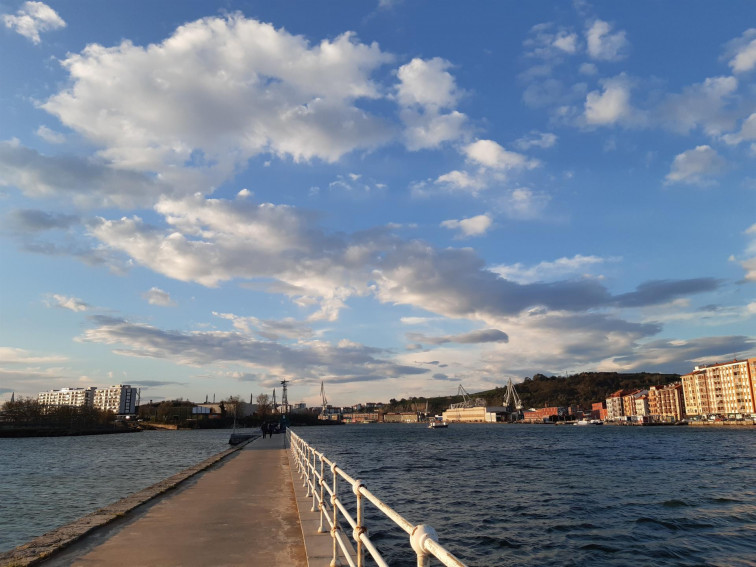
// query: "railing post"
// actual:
[[360, 529], [314, 476], [335, 526], [417, 539], [321, 528]]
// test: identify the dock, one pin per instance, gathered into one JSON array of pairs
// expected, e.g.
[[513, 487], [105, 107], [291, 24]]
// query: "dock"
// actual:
[[241, 510]]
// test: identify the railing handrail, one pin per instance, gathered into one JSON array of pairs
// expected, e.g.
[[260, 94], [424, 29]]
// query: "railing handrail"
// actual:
[[326, 501]]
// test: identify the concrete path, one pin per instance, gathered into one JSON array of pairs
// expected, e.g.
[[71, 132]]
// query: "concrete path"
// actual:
[[241, 512]]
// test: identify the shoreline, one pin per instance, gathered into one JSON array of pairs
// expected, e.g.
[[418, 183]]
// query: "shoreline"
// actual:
[[46, 545]]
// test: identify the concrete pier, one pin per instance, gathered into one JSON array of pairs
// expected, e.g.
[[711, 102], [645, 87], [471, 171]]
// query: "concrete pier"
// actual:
[[241, 511]]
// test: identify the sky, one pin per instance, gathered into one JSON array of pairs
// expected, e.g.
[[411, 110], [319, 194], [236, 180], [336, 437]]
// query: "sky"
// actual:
[[394, 198]]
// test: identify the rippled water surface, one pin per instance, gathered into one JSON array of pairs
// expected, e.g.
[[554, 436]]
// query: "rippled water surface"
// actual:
[[47, 482], [561, 496]]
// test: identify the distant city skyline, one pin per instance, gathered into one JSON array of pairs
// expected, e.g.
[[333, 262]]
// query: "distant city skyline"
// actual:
[[392, 197]]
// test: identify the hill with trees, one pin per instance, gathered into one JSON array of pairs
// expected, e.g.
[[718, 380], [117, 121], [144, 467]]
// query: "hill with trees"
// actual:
[[581, 390]]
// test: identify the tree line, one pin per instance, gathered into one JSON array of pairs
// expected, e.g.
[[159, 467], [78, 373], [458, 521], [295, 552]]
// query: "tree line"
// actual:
[[28, 412]]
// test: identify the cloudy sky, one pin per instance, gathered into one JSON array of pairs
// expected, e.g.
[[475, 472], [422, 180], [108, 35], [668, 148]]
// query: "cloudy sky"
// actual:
[[392, 197]]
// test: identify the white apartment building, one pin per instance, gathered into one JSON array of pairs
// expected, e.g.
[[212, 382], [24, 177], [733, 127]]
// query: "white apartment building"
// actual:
[[67, 397], [120, 399], [721, 389]]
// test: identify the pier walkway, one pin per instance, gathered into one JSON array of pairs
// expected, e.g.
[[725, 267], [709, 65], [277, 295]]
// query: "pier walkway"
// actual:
[[241, 511]]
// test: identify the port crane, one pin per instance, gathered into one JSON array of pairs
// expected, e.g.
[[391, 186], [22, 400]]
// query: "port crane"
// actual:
[[512, 400], [467, 401]]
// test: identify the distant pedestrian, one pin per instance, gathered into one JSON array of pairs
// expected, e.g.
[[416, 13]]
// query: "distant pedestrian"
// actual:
[[264, 429]]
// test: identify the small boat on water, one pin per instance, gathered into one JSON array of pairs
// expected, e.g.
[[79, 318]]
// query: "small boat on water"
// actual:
[[589, 422], [437, 425]]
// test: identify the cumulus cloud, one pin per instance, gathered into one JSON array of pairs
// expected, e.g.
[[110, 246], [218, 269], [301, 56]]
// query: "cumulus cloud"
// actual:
[[747, 132], [742, 52], [705, 105], [220, 91], [488, 153], [610, 105], [32, 19], [696, 167], [548, 42], [603, 45], [156, 296], [473, 226], [427, 92]]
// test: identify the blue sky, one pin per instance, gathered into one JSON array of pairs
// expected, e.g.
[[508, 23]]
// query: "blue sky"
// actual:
[[394, 198]]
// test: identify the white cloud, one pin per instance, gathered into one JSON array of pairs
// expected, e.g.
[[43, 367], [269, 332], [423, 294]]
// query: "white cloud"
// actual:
[[473, 226], [10, 355], [461, 180], [425, 90], [560, 268], [610, 106], [604, 45], [427, 84], [87, 182], [588, 69], [747, 132], [549, 44], [72, 303], [704, 105], [536, 139], [429, 130], [522, 203], [50, 136], [696, 167], [32, 19], [221, 90], [742, 52], [156, 296], [749, 264], [488, 153]]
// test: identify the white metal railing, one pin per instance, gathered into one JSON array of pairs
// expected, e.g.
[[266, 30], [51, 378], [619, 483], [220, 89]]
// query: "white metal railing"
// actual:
[[326, 499]]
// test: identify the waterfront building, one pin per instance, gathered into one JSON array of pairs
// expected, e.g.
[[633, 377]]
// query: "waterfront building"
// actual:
[[401, 417], [724, 389], [641, 406], [666, 403], [614, 408], [120, 399], [598, 411], [67, 397], [543, 415], [479, 414]]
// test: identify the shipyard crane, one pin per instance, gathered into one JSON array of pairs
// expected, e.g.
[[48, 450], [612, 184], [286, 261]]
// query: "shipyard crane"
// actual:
[[467, 401], [323, 396], [512, 401]]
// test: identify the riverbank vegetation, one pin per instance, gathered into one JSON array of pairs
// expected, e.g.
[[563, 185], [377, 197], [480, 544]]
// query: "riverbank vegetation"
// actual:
[[26, 416]]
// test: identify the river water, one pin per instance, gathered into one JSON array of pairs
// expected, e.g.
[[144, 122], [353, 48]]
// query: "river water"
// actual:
[[558, 495], [496, 494], [47, 482]]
